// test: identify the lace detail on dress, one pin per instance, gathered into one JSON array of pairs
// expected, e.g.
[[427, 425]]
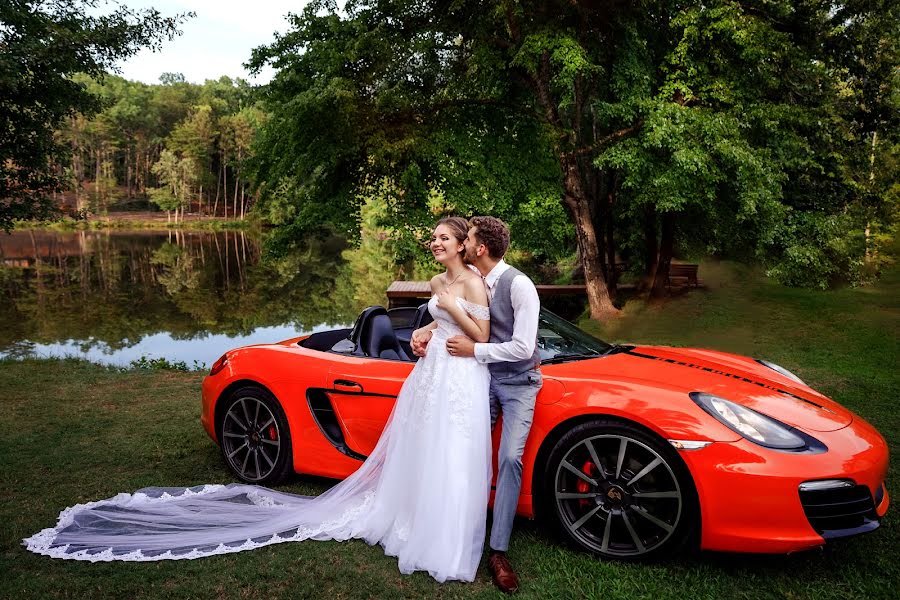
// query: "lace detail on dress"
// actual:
[[461, 407], [43, 542], [482, 313], [447, 324], [351, 514], [455, 392]]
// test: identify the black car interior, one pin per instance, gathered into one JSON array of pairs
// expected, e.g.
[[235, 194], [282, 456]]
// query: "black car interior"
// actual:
[[377, 333]]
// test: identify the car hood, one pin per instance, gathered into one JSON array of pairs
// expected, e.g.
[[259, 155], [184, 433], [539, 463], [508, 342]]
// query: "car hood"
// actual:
[[730, 376]]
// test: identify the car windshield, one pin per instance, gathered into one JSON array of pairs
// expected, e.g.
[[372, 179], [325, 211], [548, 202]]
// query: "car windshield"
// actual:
[[560, 341]]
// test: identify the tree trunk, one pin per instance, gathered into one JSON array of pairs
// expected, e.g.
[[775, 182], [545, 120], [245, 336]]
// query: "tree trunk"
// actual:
[[235, 202], [219, 176], [651, 248], [666, 246], [868, 230], [97, 162], [601, 305], [237, 180], [613, 281], [128, 172]]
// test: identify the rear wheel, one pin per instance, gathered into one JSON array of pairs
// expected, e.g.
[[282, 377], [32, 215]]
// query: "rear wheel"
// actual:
[[617, 491], [254, 436]]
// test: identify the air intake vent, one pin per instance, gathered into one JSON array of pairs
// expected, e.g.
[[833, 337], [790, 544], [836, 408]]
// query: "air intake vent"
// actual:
[[839, 512]]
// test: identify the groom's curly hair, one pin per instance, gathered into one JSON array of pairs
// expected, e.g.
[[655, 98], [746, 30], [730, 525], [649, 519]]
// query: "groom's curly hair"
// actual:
[[493, 233]]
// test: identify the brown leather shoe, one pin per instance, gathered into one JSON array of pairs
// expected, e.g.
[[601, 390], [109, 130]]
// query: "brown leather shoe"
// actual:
[[502, 573]]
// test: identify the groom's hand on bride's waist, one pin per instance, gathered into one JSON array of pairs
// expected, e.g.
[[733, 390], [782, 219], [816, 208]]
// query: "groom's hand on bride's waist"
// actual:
[[460, 345]]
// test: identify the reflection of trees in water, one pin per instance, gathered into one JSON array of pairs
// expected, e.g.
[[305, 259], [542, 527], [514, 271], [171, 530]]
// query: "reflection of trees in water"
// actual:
[[116, 288]]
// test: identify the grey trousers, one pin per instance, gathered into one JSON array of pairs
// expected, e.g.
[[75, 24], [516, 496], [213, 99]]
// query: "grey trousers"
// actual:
[[513, 397]]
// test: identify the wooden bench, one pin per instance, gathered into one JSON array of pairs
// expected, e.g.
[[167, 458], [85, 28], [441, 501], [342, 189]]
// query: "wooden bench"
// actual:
[[684, 271]]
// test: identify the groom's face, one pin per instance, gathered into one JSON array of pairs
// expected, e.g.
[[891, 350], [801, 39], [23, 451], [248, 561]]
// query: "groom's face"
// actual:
[[471, 247]]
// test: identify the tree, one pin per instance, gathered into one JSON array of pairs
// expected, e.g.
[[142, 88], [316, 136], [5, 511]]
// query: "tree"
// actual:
[[179, 177], [42, 44], [193, 139], [657, 123], [238, 134]]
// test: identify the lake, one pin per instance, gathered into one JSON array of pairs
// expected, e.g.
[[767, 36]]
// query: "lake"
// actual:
[[115, 296]]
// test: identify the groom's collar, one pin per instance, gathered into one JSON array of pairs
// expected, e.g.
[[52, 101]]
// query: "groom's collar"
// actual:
[[491, 278]]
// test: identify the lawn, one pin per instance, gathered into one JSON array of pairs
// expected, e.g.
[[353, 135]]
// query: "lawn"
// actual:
[[72, 432]]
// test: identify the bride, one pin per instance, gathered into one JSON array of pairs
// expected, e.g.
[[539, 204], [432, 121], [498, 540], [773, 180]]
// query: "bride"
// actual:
[[422, 493]]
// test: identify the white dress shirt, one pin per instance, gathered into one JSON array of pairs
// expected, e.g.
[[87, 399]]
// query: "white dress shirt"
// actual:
[[526, 306]]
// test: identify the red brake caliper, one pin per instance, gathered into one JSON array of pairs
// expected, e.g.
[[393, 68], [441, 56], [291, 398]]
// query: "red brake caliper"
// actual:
[[582, 486], [273, 433]]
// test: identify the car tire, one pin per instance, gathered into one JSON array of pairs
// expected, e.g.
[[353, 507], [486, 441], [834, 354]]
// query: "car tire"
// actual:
[[254, 436], [619, 492]]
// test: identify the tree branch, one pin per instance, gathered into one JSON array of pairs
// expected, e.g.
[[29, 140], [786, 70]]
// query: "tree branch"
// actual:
[[608, 139], [542, 82]]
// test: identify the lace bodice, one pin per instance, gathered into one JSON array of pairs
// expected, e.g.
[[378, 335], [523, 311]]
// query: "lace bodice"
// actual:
[[447, 325]]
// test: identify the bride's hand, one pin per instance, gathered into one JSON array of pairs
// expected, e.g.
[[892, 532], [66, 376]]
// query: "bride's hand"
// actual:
[[419, 341], [447, 300]]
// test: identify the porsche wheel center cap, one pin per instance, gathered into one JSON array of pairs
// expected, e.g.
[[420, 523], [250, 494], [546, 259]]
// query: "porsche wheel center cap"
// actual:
[[615, 495]]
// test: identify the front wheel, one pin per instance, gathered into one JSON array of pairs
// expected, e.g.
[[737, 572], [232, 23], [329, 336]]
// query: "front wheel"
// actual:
[[619, 492], [254, 436]]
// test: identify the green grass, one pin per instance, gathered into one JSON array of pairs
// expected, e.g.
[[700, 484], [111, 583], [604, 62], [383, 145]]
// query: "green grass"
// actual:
[[72, 432]]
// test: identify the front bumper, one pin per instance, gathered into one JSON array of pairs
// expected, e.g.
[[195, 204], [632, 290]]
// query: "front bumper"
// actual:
[[750, 496]]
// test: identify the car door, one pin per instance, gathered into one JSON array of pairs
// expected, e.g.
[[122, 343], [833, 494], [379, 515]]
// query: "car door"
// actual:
[[362, 393]]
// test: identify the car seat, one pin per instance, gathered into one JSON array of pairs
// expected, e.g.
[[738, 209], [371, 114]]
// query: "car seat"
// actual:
[[377, 338]]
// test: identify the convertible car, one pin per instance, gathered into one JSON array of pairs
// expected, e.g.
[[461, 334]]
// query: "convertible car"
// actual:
[[635, 451]]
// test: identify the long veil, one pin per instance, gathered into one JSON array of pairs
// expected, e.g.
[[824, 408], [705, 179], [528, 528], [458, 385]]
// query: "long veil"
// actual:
[[421, 494], [160, 523]]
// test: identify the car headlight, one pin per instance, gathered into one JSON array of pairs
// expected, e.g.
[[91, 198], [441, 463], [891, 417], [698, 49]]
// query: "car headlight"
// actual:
[[779, 369], [754, 426]]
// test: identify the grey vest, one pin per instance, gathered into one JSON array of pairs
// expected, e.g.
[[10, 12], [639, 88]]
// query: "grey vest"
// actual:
[[502, 320]]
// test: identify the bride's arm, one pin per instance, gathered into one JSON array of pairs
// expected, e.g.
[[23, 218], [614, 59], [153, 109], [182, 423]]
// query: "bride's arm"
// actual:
[[474, 292]]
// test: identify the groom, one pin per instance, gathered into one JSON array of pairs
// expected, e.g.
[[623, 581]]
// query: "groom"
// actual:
[[513, 360]]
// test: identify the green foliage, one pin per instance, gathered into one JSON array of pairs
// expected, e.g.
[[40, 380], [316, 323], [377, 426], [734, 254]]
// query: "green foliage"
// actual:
[[369, 110], [42, 45], [164, 198], [145, 363], [816, 251], [727, 115]]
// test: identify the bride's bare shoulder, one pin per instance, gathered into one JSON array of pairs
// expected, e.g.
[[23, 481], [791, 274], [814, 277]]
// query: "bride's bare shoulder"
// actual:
[[475, 292], [436, 283]]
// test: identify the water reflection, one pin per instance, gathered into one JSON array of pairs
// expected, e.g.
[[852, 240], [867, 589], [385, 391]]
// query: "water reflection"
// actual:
[[114, 296]]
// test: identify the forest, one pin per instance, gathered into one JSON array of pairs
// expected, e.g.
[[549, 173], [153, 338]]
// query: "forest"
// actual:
[[604, 133], [182, 146]]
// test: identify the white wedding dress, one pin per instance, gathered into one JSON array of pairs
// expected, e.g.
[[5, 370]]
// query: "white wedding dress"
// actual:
[[422, 494]]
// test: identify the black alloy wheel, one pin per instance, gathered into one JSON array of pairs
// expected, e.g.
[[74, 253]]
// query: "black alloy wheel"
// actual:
[[619, 492], [254, 436]]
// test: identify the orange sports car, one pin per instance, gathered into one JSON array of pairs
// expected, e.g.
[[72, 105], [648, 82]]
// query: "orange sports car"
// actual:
[[635, 451]]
